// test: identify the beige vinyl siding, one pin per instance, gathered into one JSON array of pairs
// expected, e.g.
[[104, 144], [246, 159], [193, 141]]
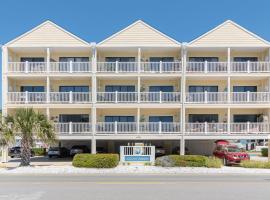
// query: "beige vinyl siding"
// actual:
[[229, 35], [47, 35], [139, 34]]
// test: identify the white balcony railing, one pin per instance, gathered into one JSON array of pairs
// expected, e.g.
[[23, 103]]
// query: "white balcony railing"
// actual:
[[70, 67], [116, 67], [73, 128], [26, 97], [132, 128], [132, 97], [160, 97], [206, 128], [70, 97], [27, 67], [207, 97], [207, 67], [250, 97], [117, 97], [250, 128], [250, 67], [222, 128], [161, 67]]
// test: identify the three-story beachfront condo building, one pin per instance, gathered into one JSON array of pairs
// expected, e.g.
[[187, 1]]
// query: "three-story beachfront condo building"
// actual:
[[139, 85]]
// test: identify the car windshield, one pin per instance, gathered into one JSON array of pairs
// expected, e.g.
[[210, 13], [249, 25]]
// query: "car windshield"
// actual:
[[233, 149]]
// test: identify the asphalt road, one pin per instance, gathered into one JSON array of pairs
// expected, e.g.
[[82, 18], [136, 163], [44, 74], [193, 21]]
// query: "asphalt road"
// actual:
[[134, 187]]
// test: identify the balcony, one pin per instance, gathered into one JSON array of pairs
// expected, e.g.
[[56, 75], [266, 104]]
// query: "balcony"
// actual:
[[207, 97], [134, 128], [56, 67], [132, 97], [133, 67], [222, 67], [54, 97], [223, 128], [222, 97], [207, 67], [73, 128]]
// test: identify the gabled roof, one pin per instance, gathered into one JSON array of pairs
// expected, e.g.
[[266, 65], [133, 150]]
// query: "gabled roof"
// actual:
[[229, 34], [139, 34], [47, 34]]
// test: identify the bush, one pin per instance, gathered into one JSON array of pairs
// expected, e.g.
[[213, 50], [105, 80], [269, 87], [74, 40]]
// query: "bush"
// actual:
[[264, 152], [182, 161], [213, 162], [39, 151], [255, 164], [95, 160]]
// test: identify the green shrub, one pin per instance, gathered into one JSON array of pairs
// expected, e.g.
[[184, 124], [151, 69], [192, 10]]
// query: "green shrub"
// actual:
[[182, 161], [264, 152], [213, 162], [39, 151], [255, 164], [95, 160]]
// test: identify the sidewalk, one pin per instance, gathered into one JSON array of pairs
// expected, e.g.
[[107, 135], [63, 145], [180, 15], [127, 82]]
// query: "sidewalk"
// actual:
[[130, 170]]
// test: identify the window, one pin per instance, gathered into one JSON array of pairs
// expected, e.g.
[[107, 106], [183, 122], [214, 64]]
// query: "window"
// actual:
[[200, 118], [245, 118], [73, 89], [202, 88], [74, 59], [119, 119], [161, 88], [32, 59], [32, 88], [244, 88], [73, 118], [203, 59], [163, 59], [160, 118], [245, 59], [120, 88], [120, 59]]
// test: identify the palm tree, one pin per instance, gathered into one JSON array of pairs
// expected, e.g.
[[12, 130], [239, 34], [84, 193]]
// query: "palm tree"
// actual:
[[29, 126]]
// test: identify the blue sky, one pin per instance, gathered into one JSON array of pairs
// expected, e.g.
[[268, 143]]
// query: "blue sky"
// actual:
[[182, 20]]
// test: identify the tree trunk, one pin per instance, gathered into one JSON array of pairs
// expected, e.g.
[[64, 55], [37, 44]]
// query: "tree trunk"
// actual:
[[25, 151]]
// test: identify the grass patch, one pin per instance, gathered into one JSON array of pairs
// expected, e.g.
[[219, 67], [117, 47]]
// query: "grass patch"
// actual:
[[213, 162], [255, 164]]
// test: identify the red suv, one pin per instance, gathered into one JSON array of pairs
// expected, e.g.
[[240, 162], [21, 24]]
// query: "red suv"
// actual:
[[230, 154]]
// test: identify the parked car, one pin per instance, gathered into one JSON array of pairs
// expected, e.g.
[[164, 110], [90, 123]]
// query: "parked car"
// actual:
[[160, 151], [59, 152], [79, 149], [101, 150], [230, 154], [15, 152]]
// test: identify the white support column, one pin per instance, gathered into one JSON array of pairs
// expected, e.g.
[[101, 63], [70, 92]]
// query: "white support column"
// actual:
[[93, 122], [139, 89], [269, 148], [48, 89], [94, 57], [229, 89], [268, 55], [229, 120], [138, 120], [139, 60], [229, 60], [183, 96], [4, 79], [94, 89], [48, 60], [4, 148]]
